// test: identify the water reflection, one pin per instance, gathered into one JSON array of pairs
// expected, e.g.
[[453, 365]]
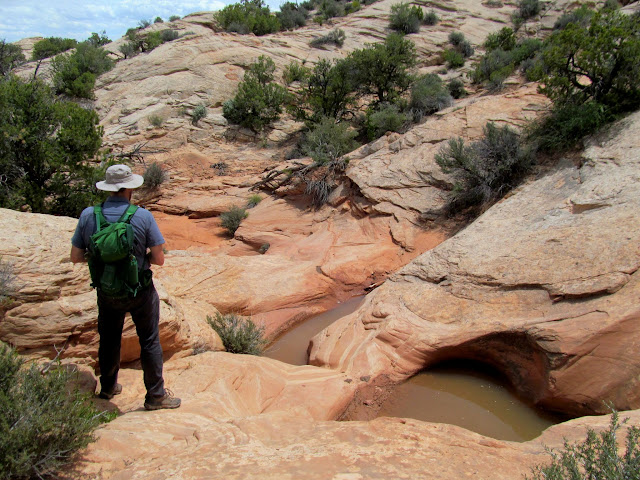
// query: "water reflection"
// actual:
[[471, 396]]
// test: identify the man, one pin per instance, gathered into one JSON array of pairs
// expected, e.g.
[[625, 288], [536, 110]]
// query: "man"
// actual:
[[144, 306]]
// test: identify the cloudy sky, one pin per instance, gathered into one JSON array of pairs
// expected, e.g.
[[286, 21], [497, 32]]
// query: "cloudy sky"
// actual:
[[78, 19]]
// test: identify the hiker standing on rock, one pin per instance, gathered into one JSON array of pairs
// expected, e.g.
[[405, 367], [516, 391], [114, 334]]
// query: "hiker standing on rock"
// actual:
[[113, 238]]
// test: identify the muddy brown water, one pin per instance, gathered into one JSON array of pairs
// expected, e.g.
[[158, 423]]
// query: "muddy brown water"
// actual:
[[291, 346], [463, 393]]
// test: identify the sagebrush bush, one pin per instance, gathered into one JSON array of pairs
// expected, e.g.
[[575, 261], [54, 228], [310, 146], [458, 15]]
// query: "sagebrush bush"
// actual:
[[156, 120], [198, 113], [295, 72], [154, 176], [486, 169], [239, 334], [232, 218], [596, 458], [247, 17], [430, 18], [7, 281], [456, 88], [406, 18], [428, 95], [173, 18], [453, 58], [386, 118], [292, 16], [158, 20], [579, 16], [335, 37], [169, 35], [43, 424], [329, 140]]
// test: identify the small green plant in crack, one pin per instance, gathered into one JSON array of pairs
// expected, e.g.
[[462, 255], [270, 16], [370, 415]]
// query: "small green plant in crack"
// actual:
[[254, 200]]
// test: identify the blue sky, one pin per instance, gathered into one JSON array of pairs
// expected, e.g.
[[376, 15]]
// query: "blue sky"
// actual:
[[77, 19]]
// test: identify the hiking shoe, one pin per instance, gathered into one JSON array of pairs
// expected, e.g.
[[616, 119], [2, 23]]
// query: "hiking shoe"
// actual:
[[117, 390], [167, 401]]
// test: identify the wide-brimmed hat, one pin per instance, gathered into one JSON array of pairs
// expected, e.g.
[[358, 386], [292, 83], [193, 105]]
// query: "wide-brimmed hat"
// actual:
[[119, 176]]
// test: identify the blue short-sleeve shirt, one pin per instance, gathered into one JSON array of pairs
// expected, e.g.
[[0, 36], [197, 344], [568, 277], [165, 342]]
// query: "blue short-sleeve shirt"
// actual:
[[146, 231]]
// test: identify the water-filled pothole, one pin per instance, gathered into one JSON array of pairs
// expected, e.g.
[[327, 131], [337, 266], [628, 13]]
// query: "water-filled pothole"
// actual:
[[470, 395], [291, 347]]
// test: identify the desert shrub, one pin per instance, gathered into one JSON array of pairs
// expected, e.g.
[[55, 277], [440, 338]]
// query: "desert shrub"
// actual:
[[198, 113], [263, 248], [428, 95], [383, 69], [75, 74], [456, 88], [169, 35], [319, 191], [48, 47], [329, 90], [250, 16], [156, 120], [43, 424], [144, 23], [152, 40], [129, 49], [405, 18], [486, 169], [453, 58], [351, 7], [259, 101], [239, 334], [385, 118], [253, 200], [494, 3], [526, 9], [173, 18], [7, 282], [46, 150], [503, 39], [292, 16], [295, 72], [430, 18], [335, 36], [328, 140], [158, 20], [98, 39], [456, 38], [154, 176], [330, 9], [611, 4], [11, 57], [579, 16], [595, 458], [232, 218], [566, 125]]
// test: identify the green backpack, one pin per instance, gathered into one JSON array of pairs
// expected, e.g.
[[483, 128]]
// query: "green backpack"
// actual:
[[112, 264]]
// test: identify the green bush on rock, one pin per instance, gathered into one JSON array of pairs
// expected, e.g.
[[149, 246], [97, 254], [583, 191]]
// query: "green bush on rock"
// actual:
[[43, 424], [239, 334]]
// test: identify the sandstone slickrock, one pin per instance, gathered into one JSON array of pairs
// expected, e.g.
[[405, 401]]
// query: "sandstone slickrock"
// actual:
[[544, 286], [248, 417], [55, 307]]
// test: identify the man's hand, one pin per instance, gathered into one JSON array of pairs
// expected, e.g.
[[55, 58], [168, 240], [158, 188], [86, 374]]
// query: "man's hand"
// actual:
[[156, 256], [77, 255]]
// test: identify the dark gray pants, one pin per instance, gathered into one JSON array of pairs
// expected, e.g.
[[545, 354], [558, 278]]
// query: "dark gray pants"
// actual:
[[145, 313]]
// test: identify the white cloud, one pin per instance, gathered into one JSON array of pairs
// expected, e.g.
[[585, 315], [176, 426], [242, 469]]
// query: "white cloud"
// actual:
[[77, 19]]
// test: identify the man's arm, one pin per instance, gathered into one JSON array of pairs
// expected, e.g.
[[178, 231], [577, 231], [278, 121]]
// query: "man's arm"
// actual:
[[77, 255], [156, 256]]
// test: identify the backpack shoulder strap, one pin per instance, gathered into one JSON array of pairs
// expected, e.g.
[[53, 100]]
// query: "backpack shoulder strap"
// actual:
[[128, 213], [101, 222]]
